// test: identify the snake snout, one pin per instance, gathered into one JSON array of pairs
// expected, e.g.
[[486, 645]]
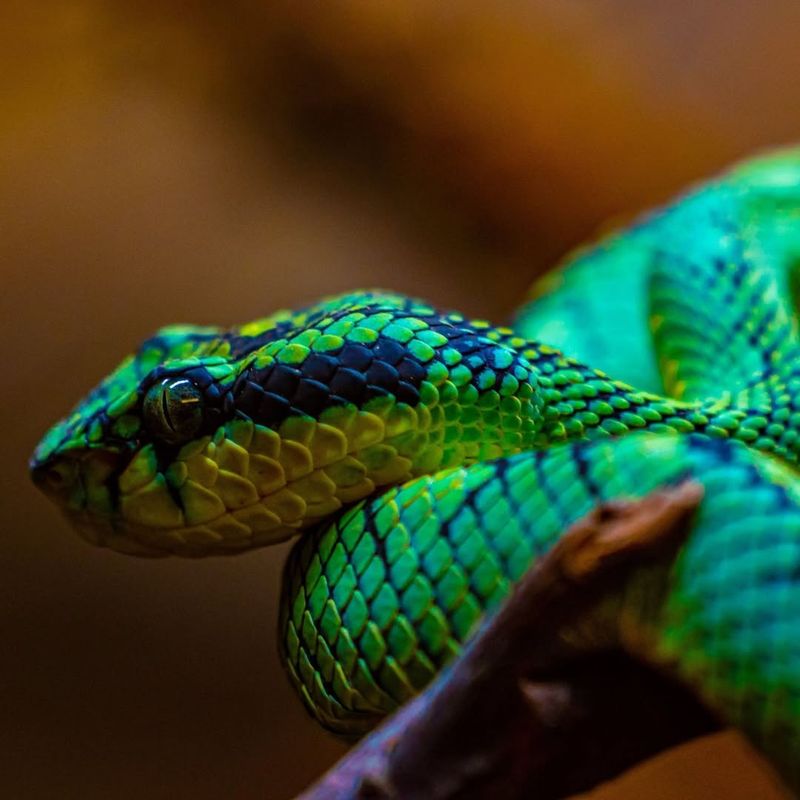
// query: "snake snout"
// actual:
[[55, 475], [76, 480]]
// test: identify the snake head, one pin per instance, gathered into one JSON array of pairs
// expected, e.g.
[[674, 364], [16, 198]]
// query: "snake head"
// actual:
[[119, 439], [216, 441]]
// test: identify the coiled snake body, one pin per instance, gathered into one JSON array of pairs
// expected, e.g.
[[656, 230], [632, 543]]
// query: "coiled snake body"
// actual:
[[426, 460]]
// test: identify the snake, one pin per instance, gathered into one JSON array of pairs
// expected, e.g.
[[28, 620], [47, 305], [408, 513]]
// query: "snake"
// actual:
[[423, 460]]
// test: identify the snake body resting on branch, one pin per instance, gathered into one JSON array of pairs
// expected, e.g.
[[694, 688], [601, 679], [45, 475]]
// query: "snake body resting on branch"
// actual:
[[425, 460]]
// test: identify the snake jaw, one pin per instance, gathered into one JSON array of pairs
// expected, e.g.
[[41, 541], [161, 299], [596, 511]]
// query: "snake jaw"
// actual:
[[82, 484], [79, 480], [100, 532]]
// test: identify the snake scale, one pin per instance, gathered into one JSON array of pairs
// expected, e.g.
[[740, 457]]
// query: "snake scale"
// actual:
[[425, 460]]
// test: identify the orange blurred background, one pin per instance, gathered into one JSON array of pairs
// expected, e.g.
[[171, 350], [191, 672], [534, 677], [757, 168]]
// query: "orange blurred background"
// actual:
[[207, 162]]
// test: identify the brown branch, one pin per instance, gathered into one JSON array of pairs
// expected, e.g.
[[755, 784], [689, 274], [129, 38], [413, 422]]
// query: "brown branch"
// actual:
[[526, 712]]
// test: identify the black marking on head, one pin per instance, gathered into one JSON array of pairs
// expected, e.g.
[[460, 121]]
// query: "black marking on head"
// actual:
[[353, 374], [322, 367]]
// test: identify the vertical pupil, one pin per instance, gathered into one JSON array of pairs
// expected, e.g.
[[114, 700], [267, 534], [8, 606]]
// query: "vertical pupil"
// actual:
[[165, 407], [174, 408]]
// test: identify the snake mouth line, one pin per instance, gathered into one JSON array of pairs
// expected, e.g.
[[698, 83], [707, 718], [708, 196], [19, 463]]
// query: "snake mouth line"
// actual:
[[122, 537], [196, 541], [100, 531]]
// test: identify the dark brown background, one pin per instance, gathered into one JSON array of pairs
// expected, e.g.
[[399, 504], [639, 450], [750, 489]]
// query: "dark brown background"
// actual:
[[209, 162]]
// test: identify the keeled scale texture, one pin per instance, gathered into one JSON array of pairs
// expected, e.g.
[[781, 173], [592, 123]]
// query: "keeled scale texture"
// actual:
[[378, 602]]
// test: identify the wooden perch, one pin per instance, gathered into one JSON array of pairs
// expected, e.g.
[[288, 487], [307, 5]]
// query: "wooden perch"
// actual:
[[524, 712]]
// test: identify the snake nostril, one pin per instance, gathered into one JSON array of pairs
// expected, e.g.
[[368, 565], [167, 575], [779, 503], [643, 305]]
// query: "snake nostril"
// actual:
[[55, 476]]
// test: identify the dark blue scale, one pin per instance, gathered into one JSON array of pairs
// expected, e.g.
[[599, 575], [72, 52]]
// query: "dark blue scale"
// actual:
[[357, 357], [272, 406], [283, 380], [406, 393], [311, 397], [320, 367], [466, 344], [389, 351], [382, 374], [354, 374], [348, 382], [411, 371]]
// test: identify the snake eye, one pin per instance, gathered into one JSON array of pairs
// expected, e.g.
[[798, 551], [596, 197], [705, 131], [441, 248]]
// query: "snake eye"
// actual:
[[173, 409]]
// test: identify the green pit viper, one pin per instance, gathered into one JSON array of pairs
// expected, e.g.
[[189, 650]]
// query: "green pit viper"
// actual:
[[424, 460]]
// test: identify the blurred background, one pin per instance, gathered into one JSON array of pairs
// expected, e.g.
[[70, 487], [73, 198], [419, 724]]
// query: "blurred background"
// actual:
[[209, 162]]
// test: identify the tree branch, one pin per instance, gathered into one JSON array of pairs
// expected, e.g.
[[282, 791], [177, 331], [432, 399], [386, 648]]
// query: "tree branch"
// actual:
[[525, 712]]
